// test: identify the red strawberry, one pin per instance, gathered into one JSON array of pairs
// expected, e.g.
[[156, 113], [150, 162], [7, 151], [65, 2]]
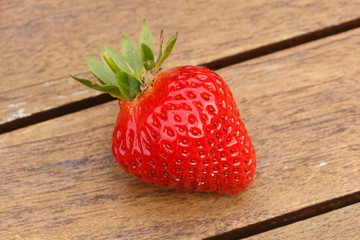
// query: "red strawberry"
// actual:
[[178, 128]]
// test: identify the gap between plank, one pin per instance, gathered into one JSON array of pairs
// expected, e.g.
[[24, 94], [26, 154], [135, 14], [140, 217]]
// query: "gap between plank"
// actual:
[[214, 65], [289, 218], [282, 45], [56, 112]]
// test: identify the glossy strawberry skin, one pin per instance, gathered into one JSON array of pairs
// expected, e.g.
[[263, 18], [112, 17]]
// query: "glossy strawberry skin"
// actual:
[[185, 132]]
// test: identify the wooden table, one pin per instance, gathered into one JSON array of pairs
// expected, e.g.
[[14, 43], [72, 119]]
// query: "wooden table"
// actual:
[[293, 67]]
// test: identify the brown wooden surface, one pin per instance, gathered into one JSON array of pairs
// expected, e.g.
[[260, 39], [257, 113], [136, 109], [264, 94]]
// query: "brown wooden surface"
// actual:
[[301, 107], [342, 224], [42, 42]]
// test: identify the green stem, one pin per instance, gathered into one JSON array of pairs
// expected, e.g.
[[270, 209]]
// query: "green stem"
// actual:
[[160, 48]]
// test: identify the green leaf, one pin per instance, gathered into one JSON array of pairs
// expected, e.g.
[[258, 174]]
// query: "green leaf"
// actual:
[[149, 64], [105, 64], [100, 72], [129, 86], [112, 90], [169, 46], [112, 56], [146, 36], [132, 55], [110, 62], [147, 55]]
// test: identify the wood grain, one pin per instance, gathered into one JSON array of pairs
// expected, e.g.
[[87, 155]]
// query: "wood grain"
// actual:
[[301, 107], [341, 224], [42, 42]]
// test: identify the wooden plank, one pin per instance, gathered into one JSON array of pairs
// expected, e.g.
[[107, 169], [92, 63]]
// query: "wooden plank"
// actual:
[[340, 224], [301, 107], [42, 42]]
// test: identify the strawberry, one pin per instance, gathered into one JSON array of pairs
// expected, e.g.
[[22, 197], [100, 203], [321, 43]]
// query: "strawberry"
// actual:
[[178, 128]]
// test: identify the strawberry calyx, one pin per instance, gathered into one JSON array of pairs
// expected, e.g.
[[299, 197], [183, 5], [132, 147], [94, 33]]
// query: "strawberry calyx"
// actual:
[[124, 75]]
